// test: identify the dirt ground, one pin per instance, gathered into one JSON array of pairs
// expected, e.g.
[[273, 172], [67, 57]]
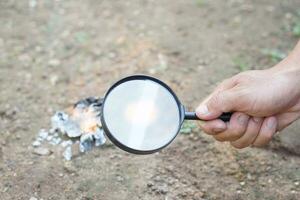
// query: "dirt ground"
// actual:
[[52, 53]]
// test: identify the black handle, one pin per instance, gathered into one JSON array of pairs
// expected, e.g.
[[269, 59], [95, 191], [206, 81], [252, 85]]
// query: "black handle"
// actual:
[[192, 116]]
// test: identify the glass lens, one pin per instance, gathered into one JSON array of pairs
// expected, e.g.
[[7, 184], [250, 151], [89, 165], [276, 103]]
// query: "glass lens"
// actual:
[[141, 114]]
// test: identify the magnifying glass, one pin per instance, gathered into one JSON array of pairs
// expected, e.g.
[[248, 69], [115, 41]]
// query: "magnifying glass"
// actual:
[[142, 115]]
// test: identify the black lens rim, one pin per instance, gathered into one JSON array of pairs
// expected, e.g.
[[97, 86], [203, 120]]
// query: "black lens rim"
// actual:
[[110, 135]]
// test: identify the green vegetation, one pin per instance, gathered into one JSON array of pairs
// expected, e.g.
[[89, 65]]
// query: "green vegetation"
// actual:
[[296, 25], [241, 63], [81, 37], [296, 29], [187, 127], [275, 55], [200, 3]]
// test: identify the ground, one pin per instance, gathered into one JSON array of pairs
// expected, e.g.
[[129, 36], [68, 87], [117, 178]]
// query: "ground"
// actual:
[[53, 53]]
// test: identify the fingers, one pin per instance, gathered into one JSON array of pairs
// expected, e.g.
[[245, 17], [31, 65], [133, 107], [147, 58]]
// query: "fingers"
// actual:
[[268, 129], [242, 130], [221, 100], [252, 131], [213, 127], [236, 128]]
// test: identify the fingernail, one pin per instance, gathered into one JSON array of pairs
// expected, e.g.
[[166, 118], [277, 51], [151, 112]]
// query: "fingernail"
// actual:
[[242, 119], [219, 128], [202, 110], [271, 123]]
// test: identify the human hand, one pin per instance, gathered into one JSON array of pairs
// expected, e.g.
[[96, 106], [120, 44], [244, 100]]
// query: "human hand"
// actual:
[[263, 101]]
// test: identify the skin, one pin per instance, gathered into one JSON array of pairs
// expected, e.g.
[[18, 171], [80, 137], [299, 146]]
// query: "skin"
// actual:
[[263, 102]]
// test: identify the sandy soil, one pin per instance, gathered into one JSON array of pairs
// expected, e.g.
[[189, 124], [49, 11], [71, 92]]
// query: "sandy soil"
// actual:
[[53, 53]]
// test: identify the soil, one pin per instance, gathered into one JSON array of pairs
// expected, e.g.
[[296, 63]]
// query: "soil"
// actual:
[[53, 53]]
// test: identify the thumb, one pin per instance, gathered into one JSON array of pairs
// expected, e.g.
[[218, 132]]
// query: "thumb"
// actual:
[[216, 104]]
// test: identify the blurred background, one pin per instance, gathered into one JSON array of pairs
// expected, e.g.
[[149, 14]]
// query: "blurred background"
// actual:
[[55, 52]]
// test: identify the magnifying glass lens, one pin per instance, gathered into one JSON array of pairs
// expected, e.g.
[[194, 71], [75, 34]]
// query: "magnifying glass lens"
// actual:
[[141, 114]]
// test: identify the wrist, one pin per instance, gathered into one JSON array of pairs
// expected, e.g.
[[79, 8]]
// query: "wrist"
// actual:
[[292, 60], [287, 73]]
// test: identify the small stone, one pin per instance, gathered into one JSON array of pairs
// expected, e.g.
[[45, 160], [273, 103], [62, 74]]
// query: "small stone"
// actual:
[[36, 143], [68, 153], [54, 62], [86, 142], [58, 120], [99, 137], [53, 131], [72, 129], [150, 184], [55, 141], [161, 189], [269, 180], [249, 177], [54, 80], [242, 183], [296, 183], [33, 198], [61, 121], [43, 134], [66, 143], [49, 138], [120, 178], [42, 151]]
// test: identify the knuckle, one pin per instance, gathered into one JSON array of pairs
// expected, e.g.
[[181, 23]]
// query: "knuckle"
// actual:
[[216, 99], [237, 133]]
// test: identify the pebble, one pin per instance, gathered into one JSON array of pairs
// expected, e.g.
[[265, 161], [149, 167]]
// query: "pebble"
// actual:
[[36, 143], [66, 143], [43, 134], [54, 80], [33, 198], [49, 138], [120, 178], [72, 129], [68, 153], [269, 180], [58, 120], [61, 121], [293, 192], [54, 62], [86, 142], [296, 183], [53, 131], [55, 141], [42, 151], [99, 137]]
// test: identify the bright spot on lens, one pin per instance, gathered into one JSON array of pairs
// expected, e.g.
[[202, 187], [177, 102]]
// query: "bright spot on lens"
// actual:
[[143, 112]]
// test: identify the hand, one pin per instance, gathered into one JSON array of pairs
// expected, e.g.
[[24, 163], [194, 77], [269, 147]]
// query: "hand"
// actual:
[[263, 101]]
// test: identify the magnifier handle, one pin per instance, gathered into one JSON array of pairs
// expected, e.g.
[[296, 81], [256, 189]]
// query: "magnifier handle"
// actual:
[[192, 116]]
